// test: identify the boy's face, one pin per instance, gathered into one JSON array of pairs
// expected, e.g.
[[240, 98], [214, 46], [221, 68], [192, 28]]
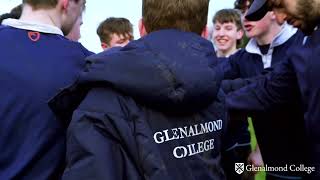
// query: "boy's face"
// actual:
[[117, 40], [259, 28], [303, 14], [225, 36]]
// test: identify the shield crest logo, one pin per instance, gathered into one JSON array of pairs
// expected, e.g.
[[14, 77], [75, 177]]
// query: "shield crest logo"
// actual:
[[239, 168], [34, 36]]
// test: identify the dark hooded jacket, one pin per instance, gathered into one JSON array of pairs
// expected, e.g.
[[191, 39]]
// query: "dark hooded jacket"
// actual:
[[152, 112]]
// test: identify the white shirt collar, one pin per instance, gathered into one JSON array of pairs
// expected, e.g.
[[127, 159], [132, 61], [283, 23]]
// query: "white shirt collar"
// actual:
[[32, 26]]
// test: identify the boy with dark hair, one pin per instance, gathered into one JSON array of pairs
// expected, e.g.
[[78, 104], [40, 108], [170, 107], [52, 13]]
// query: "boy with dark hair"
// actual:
[[227, 34], [227, 31], [152, 111], [115, 32], [36, 62]]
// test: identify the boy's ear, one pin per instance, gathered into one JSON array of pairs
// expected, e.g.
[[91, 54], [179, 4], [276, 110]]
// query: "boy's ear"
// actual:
[[104, 46], [273, 15], [240, 34], [142, 28], [205, 32]]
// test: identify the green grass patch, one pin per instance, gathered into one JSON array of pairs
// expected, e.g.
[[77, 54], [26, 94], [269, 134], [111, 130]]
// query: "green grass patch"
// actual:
[[260, 175]]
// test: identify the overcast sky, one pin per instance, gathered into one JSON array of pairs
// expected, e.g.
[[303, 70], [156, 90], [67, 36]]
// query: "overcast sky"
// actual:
[[98, 10]]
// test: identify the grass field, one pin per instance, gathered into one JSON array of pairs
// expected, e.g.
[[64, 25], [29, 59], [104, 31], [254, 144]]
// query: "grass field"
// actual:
[[261, 175]]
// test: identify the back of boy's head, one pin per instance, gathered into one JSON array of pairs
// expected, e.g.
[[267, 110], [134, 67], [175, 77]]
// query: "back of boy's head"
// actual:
[[42, 4], [228, 16], [113, 25], [184, 15]]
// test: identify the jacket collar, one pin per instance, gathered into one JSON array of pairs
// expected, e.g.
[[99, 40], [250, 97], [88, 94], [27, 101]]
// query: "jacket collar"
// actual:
[[32, 26], [287, 31]]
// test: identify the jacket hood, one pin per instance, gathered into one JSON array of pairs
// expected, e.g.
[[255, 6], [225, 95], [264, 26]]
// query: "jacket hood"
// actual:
[[167, 69]]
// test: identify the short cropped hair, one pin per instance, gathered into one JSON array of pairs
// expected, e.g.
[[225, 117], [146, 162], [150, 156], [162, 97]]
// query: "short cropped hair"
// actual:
[[227, 16], [113, 25], [184, 15], [38, 4]]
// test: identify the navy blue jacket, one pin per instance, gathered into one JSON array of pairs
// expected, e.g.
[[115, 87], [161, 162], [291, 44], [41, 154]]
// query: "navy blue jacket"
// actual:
[[300, 69], [152, 112], [279, 145], [34, 67]]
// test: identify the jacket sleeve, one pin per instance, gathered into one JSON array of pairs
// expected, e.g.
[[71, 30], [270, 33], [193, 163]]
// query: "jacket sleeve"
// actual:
[[228, 68], [232, 66], [267, 92], [95, 149]]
